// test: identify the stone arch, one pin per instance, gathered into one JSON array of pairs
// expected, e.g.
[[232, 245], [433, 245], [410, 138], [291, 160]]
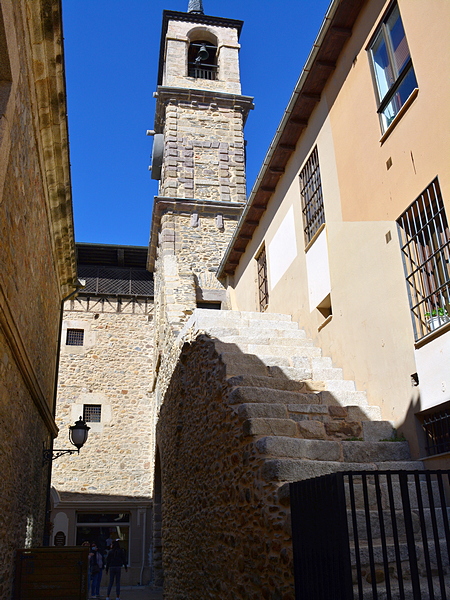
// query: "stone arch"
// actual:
[[202, 66], [158, 573]]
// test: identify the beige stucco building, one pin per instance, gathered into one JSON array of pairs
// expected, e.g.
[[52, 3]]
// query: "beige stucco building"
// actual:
[[37, 263], [360, 256]]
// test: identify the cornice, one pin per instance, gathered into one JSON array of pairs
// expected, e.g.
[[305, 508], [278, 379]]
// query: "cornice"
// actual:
[[164, 95], [51, 130], [164, 203]]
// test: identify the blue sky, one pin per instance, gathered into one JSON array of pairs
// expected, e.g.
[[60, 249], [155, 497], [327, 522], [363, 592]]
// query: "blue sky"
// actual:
[[111, 54]]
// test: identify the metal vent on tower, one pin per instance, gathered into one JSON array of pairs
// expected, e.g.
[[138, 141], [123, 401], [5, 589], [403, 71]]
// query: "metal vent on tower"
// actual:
[[196, 7]]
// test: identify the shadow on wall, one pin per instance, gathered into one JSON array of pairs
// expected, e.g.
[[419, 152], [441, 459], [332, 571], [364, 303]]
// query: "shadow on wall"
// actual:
[[233, 432]]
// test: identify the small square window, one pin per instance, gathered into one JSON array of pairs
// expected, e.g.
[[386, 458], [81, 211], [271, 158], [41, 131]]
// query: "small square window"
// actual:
[[75, 337], [392, 67], [92, 413]]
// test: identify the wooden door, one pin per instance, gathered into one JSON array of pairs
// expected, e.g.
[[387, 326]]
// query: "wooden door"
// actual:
[[52, 573]]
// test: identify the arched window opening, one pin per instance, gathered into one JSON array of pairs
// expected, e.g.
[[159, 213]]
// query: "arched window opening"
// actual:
[[202, 60]]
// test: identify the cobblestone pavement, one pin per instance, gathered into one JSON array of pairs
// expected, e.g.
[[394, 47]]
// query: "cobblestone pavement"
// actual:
[[134, 593]]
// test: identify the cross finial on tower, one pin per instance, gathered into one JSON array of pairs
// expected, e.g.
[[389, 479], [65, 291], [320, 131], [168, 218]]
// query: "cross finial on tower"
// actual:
[[196, 7]]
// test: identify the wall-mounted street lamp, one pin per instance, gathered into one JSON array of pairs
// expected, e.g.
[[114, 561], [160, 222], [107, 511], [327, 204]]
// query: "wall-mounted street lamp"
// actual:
[[78, 435]]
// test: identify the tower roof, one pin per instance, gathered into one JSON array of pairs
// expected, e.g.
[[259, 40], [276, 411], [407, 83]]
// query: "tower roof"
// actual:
[[196, 7]]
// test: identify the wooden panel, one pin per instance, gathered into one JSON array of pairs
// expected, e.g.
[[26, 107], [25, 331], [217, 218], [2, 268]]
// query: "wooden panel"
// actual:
[[51, 573]]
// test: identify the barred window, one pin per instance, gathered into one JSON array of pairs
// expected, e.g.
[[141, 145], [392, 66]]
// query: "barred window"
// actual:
[[312, 200], [75, 337], [425, 242], [263, 283], [92, 413]]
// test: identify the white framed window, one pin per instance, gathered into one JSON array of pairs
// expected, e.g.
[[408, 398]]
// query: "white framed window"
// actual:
[[392, 67]]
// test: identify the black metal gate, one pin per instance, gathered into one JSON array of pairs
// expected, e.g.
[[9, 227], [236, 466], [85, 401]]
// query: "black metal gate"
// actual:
[[372, 535]]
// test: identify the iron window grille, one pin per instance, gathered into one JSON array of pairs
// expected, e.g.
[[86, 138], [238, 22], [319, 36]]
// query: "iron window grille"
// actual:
[[437, 432], [92, 413], [263, 282], [116, 281], [425, 244], [202, 68], [75, 337], [392, 67], [312, 199]]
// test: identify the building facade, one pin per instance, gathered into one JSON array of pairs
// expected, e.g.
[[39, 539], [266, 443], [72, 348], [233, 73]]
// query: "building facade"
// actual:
[[37, 262], [105, 374]]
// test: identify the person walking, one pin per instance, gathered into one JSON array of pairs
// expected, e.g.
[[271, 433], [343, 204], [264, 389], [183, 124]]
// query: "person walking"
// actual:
[[115, 560], [96, 566]]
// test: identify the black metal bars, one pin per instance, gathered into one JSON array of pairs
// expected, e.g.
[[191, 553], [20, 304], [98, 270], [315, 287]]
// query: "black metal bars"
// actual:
[[372, 535]]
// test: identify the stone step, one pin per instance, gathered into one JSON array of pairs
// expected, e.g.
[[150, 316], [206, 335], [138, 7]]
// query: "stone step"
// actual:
[[375, 528], [404, 555], [327, 374], [270, 426], [291, 351], [265, 339], [408, 591], [288, 469], [321, 426], [294, 393], [262, 410], [233, 320], [204, 314], [307, 413], [348, 412], [274, 383], [335, 451]]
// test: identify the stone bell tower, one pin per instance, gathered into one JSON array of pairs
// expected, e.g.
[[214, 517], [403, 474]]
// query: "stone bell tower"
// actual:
[[199, 160]]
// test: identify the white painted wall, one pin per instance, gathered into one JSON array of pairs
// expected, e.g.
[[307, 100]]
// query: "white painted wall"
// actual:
[[318, 271], [433, 368], [282, 250]]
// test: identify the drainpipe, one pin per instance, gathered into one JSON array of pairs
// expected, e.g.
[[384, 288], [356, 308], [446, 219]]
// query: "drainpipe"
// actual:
[[78, 285], [144, 533]]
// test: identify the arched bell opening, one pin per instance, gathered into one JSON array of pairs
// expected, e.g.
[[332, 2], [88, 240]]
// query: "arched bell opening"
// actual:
[[202, 60]]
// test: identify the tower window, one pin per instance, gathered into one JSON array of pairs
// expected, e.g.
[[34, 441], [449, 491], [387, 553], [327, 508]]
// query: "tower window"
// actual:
[[75, 337], [202, 60]]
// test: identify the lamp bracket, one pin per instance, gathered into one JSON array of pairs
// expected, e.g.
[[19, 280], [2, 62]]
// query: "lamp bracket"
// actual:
[[55, 453]]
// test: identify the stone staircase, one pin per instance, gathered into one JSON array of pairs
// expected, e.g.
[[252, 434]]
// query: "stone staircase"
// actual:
[[303, 417]]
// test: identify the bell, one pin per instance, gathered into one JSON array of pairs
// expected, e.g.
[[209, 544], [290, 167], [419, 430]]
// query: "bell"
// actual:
[[202, 53]]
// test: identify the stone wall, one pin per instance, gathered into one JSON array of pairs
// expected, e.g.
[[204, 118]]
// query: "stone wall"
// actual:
[[238, 544], [24, 478], [112, 369], [188, 257], [37, 262], [204, 149]]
